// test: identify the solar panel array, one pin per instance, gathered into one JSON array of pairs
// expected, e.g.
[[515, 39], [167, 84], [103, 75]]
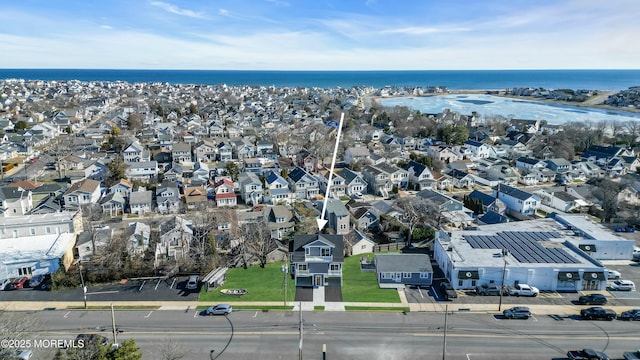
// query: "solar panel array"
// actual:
[[523, 245]]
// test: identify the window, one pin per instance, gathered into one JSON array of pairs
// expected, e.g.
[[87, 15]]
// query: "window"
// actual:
[[302, 267], [24, 271], [387, 276], [460, 283], [33, 231], [473, 283], [335, 267], [343, 226], [406, 275], [424, 275], [325, 252], [307, 251]]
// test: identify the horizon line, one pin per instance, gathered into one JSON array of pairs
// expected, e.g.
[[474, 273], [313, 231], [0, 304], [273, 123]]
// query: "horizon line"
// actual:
[[323, 70]]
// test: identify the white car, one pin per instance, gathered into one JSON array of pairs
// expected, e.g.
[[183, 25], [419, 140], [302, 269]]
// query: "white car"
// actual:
[[523, 290], [622, 285], [613, 275], [4, 284]]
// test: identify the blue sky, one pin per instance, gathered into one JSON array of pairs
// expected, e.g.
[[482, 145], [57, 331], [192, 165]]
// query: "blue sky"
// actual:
[[320, 35]]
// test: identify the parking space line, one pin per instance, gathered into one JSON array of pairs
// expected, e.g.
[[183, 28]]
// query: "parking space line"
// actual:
[[67, 314], [149, 314], [195, 314], [256, 314], [534, 318], [420, 292], [158, 283]]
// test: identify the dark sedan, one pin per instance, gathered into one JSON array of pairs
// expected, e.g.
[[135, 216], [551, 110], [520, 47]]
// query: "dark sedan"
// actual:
[[630, 315]]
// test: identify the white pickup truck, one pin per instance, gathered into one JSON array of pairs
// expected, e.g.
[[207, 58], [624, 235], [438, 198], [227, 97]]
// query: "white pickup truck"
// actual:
[[523, 290]]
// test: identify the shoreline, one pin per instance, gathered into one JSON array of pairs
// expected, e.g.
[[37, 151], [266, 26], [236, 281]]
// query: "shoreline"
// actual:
[[600, 98]]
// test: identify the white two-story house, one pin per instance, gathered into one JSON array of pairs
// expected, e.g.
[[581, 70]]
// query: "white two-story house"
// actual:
[[517, 200]]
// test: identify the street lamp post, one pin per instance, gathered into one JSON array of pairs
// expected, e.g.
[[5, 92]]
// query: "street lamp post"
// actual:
[[285, 271], [505, 252]]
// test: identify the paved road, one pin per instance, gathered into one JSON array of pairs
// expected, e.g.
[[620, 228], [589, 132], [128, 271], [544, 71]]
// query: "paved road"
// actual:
[[351, 335]]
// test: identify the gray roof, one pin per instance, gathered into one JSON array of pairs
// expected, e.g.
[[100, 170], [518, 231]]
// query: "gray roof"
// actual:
[[410, 263], [296, 246], [140, 197], [337, 207]]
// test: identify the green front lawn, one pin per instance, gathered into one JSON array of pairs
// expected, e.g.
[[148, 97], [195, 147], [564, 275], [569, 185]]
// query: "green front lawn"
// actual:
[[358, 286], [263, 284]]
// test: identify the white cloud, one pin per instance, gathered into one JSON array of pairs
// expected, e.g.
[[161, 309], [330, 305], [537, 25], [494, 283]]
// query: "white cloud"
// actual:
[[178, 11], [278, 2], [107, 27]]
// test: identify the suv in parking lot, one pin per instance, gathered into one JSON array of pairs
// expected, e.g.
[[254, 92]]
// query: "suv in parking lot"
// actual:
[[488, 289], [592, 299], [518, 312], [448, 290], [622, 285], [597, 313]]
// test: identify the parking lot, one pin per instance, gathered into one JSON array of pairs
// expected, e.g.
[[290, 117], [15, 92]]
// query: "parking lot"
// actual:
[[629, 270], [172, 289]]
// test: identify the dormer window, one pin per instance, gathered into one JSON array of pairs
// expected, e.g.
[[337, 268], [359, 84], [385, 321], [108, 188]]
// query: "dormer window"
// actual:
[[325, 251]]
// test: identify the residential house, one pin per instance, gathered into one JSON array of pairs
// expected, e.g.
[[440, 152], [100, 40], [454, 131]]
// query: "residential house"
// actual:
[[419, 174], [443, 153], [181, 153], [338, 184], [354, 183], [337, 216], [400, 270], [605, 153], [201, 174], [225, 195], [195, 197], [558, 199], [253, 165], [559, 165], [378, 181], [316, 260], [398, 177], [15, 201], [113, 204], [304, 185], [168, 197], [143, 171], [530, 163], [225, 152], [84, 192], [123, 186], [489, 202], [206, 151], [358, 244], [362, 216], [517, 200], [307, 161], [356, 154], [93, 242], [175, 236], [277, 189], [280, 221], [139, 239], [135, 152], [251, 191], [140, 202], [462, 179], [449, 210], [478, 149]]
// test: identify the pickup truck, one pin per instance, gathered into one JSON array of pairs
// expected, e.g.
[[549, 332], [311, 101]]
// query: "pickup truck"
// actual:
[[586, 354], [632, 355], [597, 313], [523, 290], [448, 290]]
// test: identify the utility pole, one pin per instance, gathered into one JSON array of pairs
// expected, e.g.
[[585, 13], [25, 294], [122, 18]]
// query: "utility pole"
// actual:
[[113, 326], [505, 252], [444, 340], [84, 287], [285, 270], [301, 332]]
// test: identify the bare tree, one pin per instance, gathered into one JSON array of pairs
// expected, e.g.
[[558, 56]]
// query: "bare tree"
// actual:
[[172, 350], [633, 128], [416, 212], [257, 240], [15, 326]]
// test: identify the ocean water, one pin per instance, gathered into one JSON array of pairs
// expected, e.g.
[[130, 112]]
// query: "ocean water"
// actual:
[[452, 79], [487, 105]]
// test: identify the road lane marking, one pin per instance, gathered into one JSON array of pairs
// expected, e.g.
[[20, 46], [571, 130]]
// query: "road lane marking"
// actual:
[[256, 314], [195, 314], [67, 314], [149, 314], [468, 356]]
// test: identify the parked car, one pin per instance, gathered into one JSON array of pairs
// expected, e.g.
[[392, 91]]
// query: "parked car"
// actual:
[[597, 313], [523, 290], [518, 312], [36, 280], [488, 289], [22, 354], [592, 299], [622, 285], [587, 354], [4, 284], [613, 275], [192, 283], [448, 290], [19, 283], [220, 309], [630, 315]]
